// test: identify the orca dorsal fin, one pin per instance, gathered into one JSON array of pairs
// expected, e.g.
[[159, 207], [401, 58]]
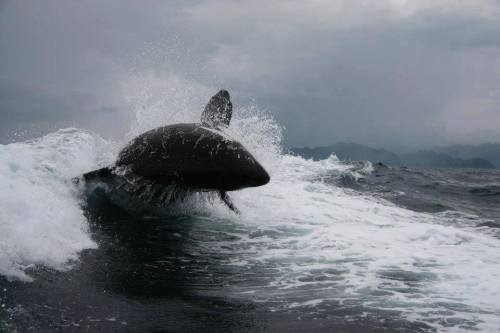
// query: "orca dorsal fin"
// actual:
[[218, 111]]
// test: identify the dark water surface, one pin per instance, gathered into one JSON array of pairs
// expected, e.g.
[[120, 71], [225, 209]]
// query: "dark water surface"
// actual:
[[434, 190], [158, 275], [179, 273]]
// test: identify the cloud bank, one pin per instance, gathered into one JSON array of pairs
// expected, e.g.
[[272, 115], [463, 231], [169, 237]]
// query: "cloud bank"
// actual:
[[387, 73]]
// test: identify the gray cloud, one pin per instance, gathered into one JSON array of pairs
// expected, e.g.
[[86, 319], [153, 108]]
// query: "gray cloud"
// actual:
[[385, 73], [27, 112]]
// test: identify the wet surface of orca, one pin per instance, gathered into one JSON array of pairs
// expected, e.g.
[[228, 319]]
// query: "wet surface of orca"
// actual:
[[167, 163]]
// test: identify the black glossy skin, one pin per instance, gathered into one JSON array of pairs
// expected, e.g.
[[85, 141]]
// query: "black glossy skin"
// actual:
[[194, 156]]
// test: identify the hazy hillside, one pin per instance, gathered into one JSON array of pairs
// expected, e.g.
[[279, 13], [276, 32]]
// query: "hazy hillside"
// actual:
[[437, 157], [487, 151], [440, 160], [349, 151]]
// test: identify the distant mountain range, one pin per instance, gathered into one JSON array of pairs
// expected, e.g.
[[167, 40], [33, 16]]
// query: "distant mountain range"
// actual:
[[487, 151], [485, 156]]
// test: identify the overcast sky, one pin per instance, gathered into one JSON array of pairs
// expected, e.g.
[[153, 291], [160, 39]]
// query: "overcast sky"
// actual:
[[385, 73]]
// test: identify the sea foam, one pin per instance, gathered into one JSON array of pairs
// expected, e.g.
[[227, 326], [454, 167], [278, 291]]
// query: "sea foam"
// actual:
[[41, 221], [342, 246]]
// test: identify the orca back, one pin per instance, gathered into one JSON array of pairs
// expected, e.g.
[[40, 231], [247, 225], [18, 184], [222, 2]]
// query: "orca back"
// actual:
[[192, 155]]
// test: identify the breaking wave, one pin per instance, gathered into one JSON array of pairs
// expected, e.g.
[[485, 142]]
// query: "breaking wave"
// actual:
[[41, 218]]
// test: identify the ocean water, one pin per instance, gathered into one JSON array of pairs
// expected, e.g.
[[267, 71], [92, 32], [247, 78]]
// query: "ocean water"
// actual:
[[325, 246]]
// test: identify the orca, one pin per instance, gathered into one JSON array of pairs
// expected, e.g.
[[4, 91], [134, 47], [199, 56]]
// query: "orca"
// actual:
[[167, 163]]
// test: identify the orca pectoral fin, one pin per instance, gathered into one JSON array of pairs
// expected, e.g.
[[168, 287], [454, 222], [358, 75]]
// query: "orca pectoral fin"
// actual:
[[99, 173], [227, 200], [92, 175]]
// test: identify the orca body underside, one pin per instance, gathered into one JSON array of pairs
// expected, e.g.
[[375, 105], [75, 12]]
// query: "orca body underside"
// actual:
[[171, 163]]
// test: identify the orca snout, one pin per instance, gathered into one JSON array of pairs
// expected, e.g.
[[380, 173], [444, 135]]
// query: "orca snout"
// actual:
[[260, 176], [250, 173], [242, 170]]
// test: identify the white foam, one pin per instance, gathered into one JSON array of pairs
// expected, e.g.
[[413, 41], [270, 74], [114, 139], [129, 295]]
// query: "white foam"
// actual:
[[41, 221], [374, 244], [162, 100]]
